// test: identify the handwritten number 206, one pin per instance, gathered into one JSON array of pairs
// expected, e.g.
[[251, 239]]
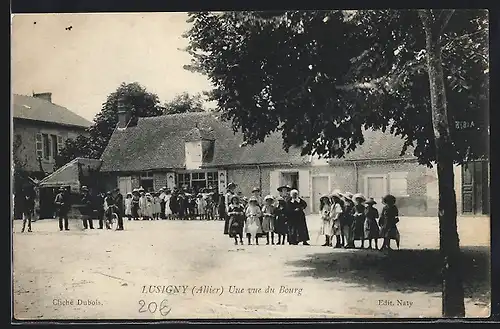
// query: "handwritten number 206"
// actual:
[[153, 307]]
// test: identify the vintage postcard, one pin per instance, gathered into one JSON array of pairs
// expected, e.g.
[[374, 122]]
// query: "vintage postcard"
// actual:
[[250, 165]]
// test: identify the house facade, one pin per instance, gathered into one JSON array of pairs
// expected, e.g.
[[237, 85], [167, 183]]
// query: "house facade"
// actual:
[[40, 129], [199, 150]]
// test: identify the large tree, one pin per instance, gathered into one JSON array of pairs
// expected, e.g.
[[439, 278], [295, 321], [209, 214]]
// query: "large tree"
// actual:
[[184, 103], [320, 77], [135, 97]]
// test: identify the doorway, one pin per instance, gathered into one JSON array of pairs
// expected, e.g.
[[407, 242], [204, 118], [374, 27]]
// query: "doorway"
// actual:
[[319, 188], [475, 188]]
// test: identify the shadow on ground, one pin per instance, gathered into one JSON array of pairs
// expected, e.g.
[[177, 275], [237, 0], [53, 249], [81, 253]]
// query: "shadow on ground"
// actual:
[[403, 270]]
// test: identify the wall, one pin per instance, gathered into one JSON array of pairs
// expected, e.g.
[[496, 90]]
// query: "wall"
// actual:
[[27, 151], [412, 204]]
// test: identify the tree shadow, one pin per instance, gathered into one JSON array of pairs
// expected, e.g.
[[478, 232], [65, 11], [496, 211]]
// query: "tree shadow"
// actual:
[[400, 270]]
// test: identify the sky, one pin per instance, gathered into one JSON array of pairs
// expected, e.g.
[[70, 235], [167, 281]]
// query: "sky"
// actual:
[[83, 65]]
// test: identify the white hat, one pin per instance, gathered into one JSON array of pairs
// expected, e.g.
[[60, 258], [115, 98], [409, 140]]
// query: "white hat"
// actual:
[[358, 196], [294, 191], [336, 193], [269, 197]]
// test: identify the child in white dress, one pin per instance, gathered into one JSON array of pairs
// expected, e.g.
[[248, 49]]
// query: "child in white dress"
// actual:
[[252, 222], [128, 206]]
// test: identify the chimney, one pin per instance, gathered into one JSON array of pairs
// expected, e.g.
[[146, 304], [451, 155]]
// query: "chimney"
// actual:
[[46, 96], [123, 113]]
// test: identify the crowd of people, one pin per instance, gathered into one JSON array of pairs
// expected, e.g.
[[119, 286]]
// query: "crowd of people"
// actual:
[[344, 217], [253, 218], [351, 218]]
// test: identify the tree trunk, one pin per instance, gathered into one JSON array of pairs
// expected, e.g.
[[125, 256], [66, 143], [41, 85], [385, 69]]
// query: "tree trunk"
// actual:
[[452, 289]]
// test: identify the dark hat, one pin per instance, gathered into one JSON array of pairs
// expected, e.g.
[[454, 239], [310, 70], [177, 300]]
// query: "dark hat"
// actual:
[[232, 185], [235, 197], [370, 201], [255, 189], [284, 187]]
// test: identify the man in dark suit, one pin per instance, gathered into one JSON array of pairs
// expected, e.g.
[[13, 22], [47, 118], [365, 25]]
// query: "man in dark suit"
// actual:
[[87, 210], [120, 208], [63, 206], [27, 205]]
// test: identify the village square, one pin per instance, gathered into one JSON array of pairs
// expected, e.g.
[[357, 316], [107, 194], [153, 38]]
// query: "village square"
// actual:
[[234, 183]]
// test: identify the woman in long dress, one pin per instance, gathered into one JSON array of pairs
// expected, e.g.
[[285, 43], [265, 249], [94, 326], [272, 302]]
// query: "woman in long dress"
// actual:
[[236, 219], [298, 231], [388, 222], [358, 225], [128, 206], [371, 226]]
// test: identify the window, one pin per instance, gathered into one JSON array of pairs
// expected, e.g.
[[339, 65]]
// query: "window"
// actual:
[[184, 180], [398, 184], [39, 146], [46, 146], [212, 180], [291, 179], [146, 180]]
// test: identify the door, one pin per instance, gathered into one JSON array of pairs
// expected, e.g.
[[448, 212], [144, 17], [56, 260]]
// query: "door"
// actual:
[[319, 188], [125, 185], [376, 188], [475, 188]]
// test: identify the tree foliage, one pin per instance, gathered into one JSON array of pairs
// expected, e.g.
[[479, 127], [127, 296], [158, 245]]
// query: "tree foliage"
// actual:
[[137, 99], [184, 103], [320, 77]]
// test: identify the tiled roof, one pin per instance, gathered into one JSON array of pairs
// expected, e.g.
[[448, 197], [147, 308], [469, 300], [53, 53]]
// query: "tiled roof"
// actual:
[[158, 143], [33, 108], [378, 146]]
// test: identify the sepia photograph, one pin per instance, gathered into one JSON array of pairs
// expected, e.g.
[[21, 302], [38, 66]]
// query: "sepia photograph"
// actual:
[[305, 164]]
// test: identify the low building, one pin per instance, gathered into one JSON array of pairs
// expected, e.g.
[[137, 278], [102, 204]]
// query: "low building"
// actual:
[[199, 150]]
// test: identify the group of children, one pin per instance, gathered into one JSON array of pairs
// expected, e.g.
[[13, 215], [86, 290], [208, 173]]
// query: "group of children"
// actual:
[[254, 220], [351, 217], [170, 204]]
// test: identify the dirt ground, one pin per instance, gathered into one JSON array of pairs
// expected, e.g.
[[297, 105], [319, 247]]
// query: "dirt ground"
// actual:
[[197, 272]]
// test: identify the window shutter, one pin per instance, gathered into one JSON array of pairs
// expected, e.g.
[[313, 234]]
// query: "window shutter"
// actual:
[[304, 183], [60, 144], [222, 174], [39, 146]]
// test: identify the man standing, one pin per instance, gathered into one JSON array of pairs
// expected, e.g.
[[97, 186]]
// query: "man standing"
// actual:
[[119, 208], [99, 206], [62, 205], [28, 205], [284, 192], [87, 210]]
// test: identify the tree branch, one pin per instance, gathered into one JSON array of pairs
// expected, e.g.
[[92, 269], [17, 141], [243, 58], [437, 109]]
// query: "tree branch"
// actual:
[[447, 13]]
